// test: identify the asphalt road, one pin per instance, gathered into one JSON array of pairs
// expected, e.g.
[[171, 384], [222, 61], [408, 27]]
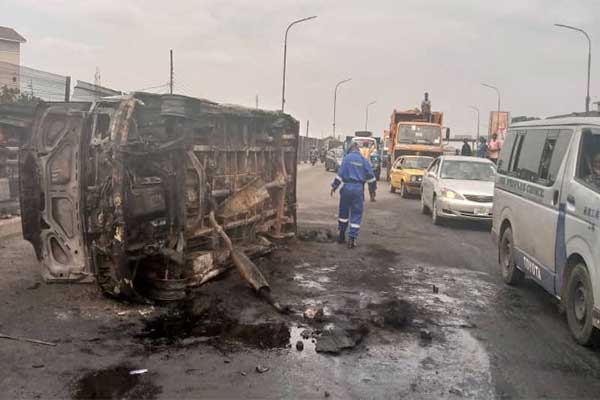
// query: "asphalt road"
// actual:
[[455, 330]]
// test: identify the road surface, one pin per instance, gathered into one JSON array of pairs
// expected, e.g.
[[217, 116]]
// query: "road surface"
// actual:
[[416, 311]]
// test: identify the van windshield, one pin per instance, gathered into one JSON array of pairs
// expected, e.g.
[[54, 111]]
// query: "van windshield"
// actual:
[[468, 170]]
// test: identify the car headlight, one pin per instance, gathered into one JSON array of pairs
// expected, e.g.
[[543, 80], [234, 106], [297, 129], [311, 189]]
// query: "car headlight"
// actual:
[[416, 178], [451, 194]]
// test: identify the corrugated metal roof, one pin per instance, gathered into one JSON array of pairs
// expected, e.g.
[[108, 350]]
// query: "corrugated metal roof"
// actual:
[[11, 35]]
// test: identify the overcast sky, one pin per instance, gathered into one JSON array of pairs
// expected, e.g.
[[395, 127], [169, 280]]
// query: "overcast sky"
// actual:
[[394, 50]]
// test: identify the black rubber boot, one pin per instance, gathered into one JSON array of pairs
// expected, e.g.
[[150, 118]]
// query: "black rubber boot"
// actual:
[[341, 238], [351, 243]]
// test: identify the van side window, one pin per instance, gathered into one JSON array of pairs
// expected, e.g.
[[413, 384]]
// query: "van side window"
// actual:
[[506, 152], [588, 162], [526, 164], [559, 141], [516, 152]]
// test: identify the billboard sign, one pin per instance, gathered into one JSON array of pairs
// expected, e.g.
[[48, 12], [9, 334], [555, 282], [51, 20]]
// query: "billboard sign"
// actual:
[[498, 123]]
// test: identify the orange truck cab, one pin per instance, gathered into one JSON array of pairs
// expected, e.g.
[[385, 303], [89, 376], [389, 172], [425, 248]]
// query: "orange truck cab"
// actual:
[[413, 133]]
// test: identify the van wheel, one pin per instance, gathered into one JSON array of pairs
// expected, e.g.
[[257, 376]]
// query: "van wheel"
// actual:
[[580, 304], [424, 208], [510, 273], [403, 190], [435, 217]]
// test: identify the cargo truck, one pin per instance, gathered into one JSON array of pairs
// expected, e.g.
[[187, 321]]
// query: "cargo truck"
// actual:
[[414, 133]]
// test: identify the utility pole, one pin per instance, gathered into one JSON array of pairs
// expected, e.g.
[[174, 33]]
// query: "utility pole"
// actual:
[[589, 66], [367, 114], [307, 125], [476, 109], [68, 89], [171, 74], [285, 56], [97, 82], [335, 100]]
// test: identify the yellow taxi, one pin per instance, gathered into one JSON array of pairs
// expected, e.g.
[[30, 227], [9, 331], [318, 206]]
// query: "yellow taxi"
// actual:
[[406, 174]]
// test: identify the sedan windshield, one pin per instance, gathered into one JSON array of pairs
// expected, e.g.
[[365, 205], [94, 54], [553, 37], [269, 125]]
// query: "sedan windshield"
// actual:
[[417, 162], [468, 170]]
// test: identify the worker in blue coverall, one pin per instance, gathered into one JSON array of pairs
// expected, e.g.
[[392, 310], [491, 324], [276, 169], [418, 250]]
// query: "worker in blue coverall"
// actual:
[[352, 175]]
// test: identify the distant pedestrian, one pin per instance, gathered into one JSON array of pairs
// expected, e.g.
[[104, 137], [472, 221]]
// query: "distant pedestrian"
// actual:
[[494, 148], [482, 148], [466, 149]]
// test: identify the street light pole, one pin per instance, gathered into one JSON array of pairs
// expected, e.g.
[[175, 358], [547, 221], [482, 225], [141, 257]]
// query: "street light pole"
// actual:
[[498, 114], [285, 56], [367, 114], [587, 97], [476, 109], [335, 100]]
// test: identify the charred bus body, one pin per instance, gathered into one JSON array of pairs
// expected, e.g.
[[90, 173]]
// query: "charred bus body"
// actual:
[[120, 191]]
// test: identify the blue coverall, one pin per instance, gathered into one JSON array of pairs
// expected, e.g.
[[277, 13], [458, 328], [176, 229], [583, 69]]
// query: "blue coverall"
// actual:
[[352, 175]]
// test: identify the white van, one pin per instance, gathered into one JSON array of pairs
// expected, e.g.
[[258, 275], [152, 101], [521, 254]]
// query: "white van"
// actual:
[[546, 215]]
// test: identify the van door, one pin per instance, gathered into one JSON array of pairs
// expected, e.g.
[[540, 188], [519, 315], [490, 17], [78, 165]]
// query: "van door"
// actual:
[[539, 159], [51, 171], [582, 205]]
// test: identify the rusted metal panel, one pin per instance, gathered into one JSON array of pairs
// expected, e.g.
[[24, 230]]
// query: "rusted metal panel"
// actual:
[[142, 174]]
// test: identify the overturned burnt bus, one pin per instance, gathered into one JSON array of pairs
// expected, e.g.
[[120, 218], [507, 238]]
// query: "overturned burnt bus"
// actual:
[[136, 192]]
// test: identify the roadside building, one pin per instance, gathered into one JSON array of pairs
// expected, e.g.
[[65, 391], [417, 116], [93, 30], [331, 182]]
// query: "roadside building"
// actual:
[[10, 57]]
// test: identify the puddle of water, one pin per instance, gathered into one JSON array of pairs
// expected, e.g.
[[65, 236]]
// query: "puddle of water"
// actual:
[[297, 335], [305, 282], [115, 383]]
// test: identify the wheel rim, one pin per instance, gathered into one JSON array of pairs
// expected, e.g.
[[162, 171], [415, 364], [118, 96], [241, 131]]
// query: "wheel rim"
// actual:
[[579, 304]]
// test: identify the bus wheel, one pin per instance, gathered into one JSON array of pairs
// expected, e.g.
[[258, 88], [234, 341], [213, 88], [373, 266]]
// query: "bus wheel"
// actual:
[[580, 304], [510, 273]]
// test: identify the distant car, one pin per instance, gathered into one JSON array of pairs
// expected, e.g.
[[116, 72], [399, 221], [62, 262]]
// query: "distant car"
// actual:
[[333, 159], [406, 174], [458, 187]]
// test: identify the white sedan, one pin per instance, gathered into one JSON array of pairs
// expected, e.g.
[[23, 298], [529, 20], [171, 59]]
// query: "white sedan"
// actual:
[[458, 187]]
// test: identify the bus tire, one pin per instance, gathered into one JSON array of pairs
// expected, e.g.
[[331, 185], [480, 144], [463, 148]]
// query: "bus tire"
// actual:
[[580, 305], [511, 275]]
